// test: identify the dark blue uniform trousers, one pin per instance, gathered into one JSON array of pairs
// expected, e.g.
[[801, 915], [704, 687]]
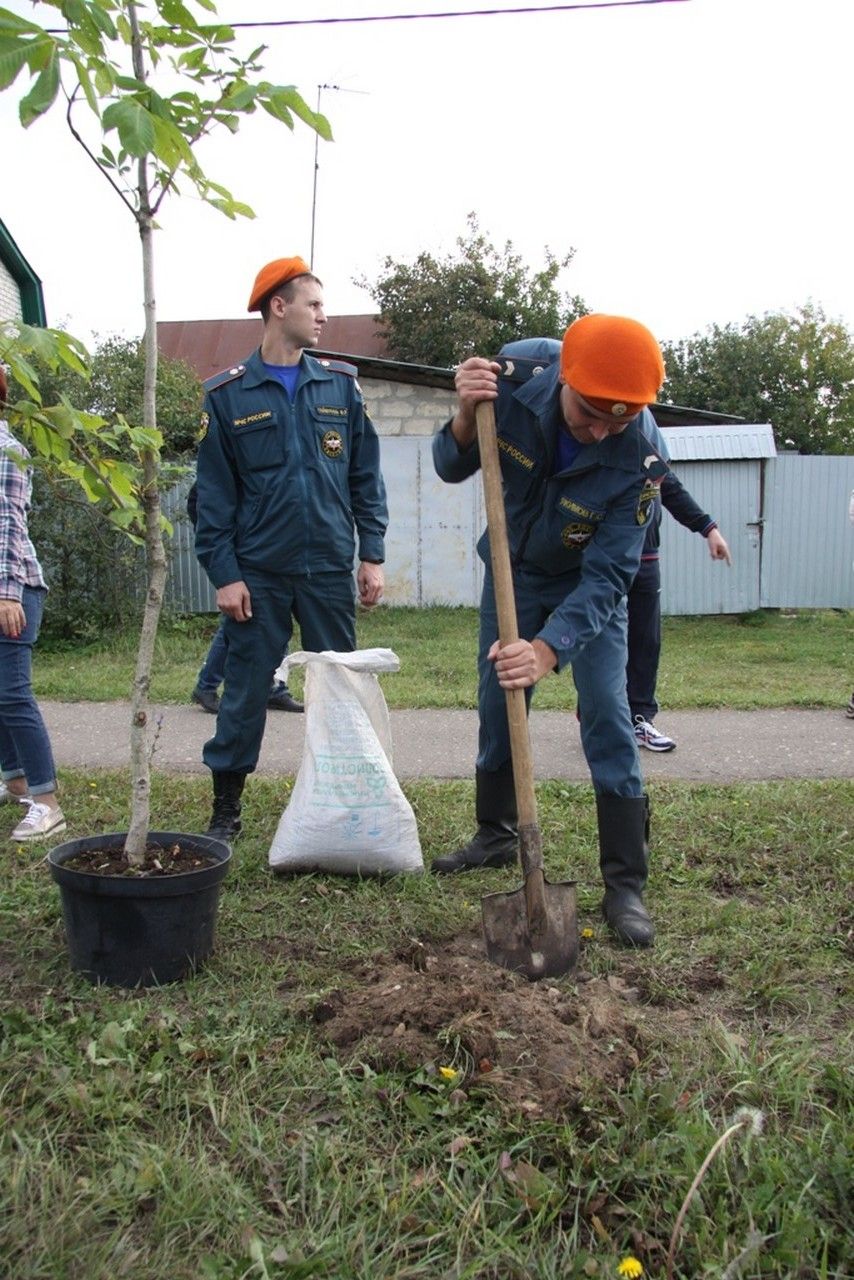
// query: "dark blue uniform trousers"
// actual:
[[324, 606], [644, 603], [600, 678]]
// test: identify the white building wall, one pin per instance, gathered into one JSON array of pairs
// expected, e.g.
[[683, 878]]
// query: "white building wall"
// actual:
[[10, 296]]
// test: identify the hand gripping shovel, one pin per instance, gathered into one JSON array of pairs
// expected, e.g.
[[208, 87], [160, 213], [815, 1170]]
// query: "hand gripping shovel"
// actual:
[[533, 930]]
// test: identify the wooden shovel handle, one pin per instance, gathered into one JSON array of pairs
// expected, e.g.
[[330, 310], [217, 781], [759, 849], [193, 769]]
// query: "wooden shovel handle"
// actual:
[[508, 631]]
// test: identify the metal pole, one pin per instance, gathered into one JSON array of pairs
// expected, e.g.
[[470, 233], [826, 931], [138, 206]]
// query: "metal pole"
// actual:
[[316, 167], [338, 89]]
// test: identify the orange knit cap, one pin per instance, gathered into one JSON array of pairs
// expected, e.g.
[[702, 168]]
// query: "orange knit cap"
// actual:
[[614, 363], [275, 274]]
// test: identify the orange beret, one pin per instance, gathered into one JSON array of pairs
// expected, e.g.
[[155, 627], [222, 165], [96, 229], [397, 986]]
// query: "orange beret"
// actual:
[[614, 363], [4, 386], [275, 274]]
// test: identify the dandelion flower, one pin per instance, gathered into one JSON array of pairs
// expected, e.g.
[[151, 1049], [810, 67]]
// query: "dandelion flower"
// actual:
[[751, 1119], [587, 933], [630, 1267], [448, 1073]]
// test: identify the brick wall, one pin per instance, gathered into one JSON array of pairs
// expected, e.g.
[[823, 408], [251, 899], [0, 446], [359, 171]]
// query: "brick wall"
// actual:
[[402, 409]]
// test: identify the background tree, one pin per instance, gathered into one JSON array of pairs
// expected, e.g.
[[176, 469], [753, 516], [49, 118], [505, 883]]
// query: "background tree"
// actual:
[[438, 311], [94, 570], [142, 87], [117, 384], [794, 371]]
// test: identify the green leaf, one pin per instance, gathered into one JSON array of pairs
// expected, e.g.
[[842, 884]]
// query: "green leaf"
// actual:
[[170, 147], [239, 96], [194, 58], [103, 21], [12, 23], [130, 84], [14, 54], [176, 14], [286, 98], [278, 111], [86, 85], [135, 126], [42, 95], [104, 79], [231, 208]]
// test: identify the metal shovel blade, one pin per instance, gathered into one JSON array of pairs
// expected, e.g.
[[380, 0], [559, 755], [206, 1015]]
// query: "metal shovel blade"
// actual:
[[545, 948]]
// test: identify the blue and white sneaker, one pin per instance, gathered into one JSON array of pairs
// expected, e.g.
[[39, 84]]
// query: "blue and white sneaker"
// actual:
[[648, 736]]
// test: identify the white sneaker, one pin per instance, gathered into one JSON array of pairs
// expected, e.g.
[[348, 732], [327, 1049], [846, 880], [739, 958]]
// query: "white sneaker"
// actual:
[[648, 736], [40, 821], [9, 797]]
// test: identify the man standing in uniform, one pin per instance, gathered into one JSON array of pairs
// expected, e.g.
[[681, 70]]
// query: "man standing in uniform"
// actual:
[[580, 480], [644, 598], [288, 478]]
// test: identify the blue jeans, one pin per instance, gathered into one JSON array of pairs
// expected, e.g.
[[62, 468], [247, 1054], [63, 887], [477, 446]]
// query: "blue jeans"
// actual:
[[212, 673], [25, 750]]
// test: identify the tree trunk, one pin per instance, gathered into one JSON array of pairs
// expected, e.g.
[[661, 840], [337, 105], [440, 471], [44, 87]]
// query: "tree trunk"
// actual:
[[141, 746]]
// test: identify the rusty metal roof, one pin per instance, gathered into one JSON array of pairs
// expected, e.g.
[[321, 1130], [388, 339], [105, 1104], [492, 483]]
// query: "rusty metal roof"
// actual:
[[210, 345]]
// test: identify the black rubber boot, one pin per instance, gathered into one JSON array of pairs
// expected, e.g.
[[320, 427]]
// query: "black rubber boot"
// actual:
[[496, 841], [225, 821], [623, 857]]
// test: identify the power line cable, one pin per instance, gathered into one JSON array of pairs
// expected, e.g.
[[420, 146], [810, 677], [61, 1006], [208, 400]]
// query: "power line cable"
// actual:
[[412, 17], [450, 13]]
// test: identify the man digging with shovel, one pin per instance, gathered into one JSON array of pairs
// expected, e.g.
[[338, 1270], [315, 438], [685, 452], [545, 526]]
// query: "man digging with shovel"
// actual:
[[579, 481]]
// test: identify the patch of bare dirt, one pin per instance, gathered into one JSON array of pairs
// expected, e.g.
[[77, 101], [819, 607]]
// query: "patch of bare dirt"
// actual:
[[538, 1046]]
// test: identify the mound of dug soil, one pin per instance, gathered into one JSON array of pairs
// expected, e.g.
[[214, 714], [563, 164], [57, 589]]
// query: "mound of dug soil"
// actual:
[[537, 1045]]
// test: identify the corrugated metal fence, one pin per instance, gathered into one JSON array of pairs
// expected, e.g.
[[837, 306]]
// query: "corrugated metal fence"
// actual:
[[785, 518]]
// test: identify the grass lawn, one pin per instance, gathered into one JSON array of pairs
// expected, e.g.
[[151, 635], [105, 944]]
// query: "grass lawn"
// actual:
[[298, 1109], [349, 1090], [764, 659]]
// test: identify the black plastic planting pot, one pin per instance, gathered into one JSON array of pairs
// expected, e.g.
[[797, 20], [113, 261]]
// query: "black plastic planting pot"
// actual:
[[139, 932]]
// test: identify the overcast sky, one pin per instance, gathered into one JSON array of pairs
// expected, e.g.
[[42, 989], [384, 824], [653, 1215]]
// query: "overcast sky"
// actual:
[[695, 155]]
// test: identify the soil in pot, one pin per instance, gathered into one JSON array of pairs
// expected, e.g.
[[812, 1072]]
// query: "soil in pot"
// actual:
[[160, 860]]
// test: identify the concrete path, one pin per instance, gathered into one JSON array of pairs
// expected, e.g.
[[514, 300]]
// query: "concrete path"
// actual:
[[714, 746]]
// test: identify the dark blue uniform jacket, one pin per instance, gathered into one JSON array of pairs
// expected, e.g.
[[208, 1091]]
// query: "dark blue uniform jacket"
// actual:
[[587, 522], [285, 488]]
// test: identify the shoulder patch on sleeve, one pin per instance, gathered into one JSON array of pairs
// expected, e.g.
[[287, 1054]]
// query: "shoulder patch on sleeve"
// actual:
[[519, 369], [224, 376]]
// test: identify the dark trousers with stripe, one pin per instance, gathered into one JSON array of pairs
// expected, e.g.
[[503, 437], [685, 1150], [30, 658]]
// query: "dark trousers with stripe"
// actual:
[[644, 605], [323, 604]]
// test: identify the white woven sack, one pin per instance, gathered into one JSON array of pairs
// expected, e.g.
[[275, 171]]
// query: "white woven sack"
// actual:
[[347, 814]]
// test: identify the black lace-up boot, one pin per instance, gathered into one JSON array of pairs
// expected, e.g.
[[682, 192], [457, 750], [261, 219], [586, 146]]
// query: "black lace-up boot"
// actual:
[[225, 821], [496, 842]]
